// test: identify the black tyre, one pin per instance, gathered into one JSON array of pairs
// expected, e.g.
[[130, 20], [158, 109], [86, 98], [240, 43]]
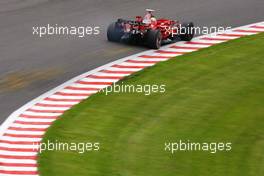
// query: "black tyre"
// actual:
[[154, 39], [114, 32], [187, 31]]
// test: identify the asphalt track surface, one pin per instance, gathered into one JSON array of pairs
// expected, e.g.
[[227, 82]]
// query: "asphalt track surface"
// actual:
[[30, 66]]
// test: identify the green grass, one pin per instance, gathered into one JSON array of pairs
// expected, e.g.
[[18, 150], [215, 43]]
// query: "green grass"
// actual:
[[213, 95]]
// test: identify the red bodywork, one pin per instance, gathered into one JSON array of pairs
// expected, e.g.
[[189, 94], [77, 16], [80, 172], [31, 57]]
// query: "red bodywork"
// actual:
[[166, 27]]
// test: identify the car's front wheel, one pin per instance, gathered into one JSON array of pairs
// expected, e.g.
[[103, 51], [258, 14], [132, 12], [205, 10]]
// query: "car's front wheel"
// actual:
[[187, 31]]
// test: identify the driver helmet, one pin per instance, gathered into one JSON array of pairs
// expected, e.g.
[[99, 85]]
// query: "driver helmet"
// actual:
[[148, 16], [150, 12]]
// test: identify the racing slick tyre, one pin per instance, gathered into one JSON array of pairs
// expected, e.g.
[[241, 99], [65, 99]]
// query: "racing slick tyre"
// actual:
[[187, 31], [114, 32], [154, 39]]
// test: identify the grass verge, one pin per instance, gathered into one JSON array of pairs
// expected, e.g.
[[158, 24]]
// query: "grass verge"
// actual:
[[213, 95]]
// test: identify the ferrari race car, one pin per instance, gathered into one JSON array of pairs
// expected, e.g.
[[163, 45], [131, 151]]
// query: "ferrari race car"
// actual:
[[151, 33]]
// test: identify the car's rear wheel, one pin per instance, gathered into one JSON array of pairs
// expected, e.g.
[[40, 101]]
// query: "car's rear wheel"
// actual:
[[114, 32], [187, 31], [154, 39]]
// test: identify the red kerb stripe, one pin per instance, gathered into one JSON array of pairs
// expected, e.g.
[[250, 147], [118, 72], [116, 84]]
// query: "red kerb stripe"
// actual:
[[19, 172], [200, 43], [186, 47]]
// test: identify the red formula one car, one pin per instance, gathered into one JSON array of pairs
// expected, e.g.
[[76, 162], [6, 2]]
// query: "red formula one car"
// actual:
[[149, 31]]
